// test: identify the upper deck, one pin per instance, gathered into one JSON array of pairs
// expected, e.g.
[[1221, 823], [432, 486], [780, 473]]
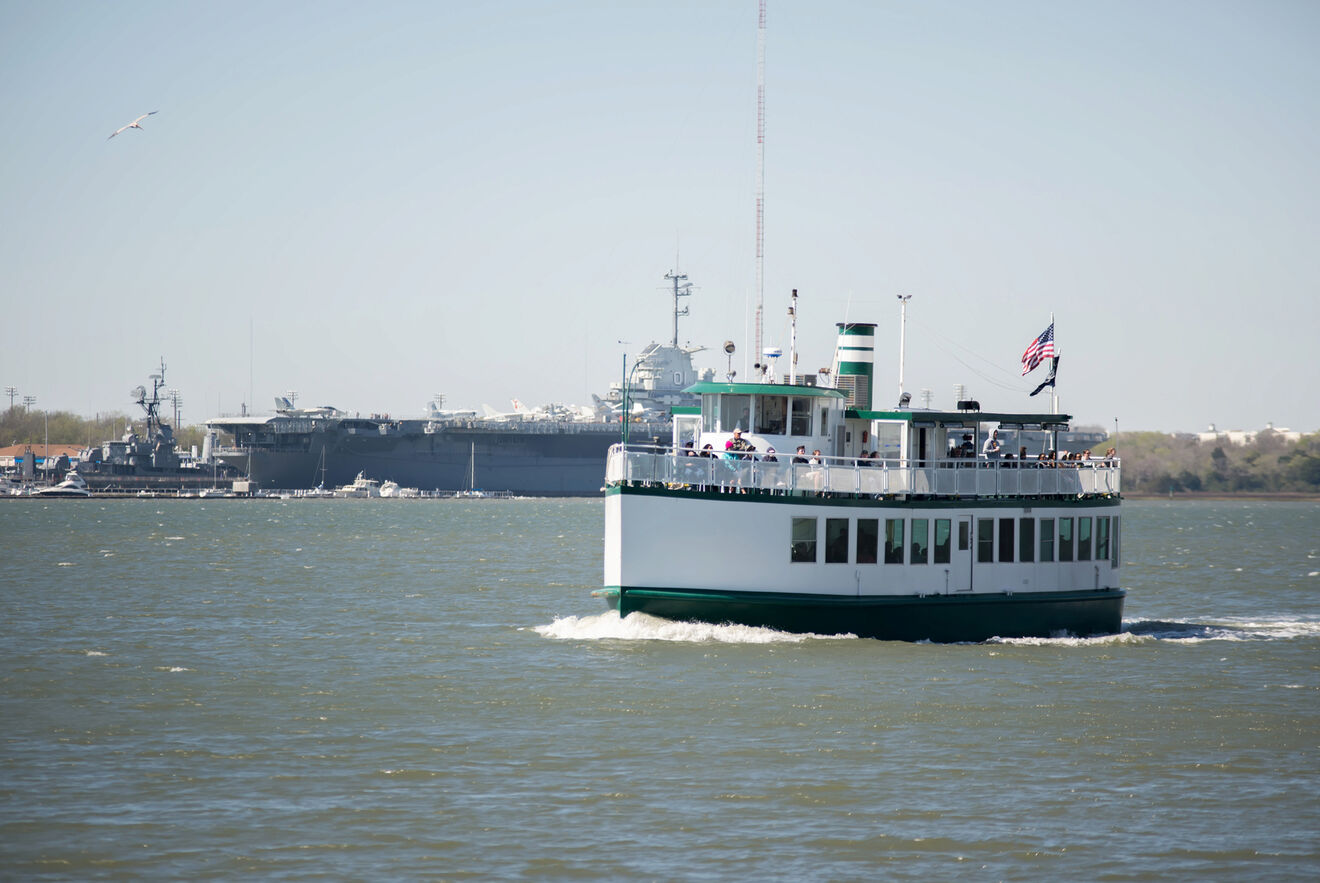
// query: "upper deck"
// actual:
[[951, 478]]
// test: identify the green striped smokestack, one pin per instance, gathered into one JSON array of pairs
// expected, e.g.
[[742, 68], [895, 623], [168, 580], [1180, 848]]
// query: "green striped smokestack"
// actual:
[[854, 360]]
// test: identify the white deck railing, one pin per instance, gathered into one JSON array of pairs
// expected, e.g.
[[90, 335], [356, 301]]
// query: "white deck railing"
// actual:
[[639, 464]]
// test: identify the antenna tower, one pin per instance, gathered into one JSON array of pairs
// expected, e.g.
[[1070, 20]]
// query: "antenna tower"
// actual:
[[682, 288], [760, 178]]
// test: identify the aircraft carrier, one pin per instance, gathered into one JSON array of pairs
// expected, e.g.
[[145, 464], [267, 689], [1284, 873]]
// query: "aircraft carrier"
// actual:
[[553, 451]]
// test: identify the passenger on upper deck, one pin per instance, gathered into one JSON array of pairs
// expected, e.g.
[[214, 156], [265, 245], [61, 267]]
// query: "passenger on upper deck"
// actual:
[[737, 446], [801, 456], [990, 450]]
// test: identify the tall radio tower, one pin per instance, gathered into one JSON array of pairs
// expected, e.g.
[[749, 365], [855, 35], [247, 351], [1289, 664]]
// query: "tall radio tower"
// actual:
[[757, 357]]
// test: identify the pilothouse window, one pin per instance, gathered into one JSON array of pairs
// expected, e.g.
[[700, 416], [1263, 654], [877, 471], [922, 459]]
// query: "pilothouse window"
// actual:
[[801, 416], [736, 413], [771, 415]]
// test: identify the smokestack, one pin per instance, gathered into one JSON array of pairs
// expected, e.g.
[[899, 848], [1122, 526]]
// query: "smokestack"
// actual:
[[854, 362]]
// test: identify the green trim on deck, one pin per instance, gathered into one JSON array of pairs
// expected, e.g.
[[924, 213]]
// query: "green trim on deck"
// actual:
[[764, 389]]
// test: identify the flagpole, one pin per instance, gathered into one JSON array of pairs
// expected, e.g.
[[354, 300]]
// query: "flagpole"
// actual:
[[1054, 387]]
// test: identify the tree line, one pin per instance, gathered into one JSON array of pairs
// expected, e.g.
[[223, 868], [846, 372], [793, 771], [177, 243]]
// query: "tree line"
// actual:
[[22, 426], [1158, 463]]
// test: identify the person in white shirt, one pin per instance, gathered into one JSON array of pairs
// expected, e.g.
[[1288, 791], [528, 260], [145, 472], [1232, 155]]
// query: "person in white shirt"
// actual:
[[990, 450]]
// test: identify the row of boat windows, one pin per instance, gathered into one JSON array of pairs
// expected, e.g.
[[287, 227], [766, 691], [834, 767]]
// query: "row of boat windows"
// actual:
[[774, 415], [931, 541]]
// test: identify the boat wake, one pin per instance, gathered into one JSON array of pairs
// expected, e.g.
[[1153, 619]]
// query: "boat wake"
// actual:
[[641, 627], [1141, 631], [1232, 629]]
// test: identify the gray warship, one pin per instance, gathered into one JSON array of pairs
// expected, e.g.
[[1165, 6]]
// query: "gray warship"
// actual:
[[148, 461], [555, 450]]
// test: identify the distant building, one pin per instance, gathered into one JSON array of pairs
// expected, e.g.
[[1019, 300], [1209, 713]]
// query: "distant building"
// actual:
[[1246, 436]]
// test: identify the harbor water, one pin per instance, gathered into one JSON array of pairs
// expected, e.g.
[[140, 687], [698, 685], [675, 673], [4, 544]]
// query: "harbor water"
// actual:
[[396, 689]]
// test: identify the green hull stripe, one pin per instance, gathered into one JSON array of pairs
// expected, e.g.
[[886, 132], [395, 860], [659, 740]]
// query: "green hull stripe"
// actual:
[[968, 617], [801, 599]]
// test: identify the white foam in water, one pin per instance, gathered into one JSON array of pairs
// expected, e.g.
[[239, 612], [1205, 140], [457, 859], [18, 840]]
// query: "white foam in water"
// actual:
[[1232, 629], [641, 627]]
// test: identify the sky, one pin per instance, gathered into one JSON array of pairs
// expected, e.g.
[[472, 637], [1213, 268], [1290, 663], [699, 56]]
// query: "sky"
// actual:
[[372, 204]]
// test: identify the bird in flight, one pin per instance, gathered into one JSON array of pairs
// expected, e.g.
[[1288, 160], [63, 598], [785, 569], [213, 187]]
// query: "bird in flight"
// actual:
[[132, 125]]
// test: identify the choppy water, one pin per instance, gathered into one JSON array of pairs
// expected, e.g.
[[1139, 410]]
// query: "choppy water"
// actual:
[[406, 690]]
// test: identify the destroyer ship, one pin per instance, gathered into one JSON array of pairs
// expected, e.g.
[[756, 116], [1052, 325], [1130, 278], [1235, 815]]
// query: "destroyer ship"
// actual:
[[550, 451], [148, 461]]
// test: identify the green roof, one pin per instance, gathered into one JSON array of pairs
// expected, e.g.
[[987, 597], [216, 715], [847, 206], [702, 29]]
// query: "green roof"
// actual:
[[764, 389]]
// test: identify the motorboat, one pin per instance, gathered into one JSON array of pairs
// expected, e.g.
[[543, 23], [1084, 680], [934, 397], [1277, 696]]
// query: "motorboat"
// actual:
[[73, 485]]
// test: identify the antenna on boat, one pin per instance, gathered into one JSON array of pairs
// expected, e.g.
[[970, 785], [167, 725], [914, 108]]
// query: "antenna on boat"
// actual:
[[902, 337], [760, 175]]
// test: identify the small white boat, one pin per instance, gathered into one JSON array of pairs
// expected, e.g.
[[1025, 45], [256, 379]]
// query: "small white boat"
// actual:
[[72, 486], [361, 487]]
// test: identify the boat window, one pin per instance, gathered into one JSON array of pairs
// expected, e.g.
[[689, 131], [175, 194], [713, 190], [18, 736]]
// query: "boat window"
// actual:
[[1027, 539], [893, 541], [803, 544], [868, 540], [710, 413], [825, 420], [943, 535], [920, 541], [963, 539], [889, 440], [771, 415], [1084, 539], [1102, 538], [1113, 541], [836, 541], [985, 540], [736, 413], [1046, 540], [800, 416], [1065, 539], [1006, 539]]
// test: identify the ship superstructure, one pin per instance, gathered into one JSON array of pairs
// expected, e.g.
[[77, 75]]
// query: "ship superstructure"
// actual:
[[554, 450]]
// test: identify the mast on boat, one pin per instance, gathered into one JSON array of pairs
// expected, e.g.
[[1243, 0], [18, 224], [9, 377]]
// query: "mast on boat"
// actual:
[[760, 185]]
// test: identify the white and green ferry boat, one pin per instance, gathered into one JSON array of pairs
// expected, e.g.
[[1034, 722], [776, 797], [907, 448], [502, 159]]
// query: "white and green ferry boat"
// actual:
[[925, 540]]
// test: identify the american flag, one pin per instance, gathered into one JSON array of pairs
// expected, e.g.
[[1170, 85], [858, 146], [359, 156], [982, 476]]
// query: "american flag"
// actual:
[[1039, 349]]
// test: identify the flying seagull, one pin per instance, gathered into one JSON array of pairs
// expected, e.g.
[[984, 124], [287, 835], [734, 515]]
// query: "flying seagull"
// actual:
[[132, 125]]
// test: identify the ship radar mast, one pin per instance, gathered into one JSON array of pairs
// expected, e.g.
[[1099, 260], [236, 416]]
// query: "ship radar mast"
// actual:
[[682, 288]]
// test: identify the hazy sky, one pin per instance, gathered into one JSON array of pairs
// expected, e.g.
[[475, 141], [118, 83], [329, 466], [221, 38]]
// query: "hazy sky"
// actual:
[[374, 203]]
